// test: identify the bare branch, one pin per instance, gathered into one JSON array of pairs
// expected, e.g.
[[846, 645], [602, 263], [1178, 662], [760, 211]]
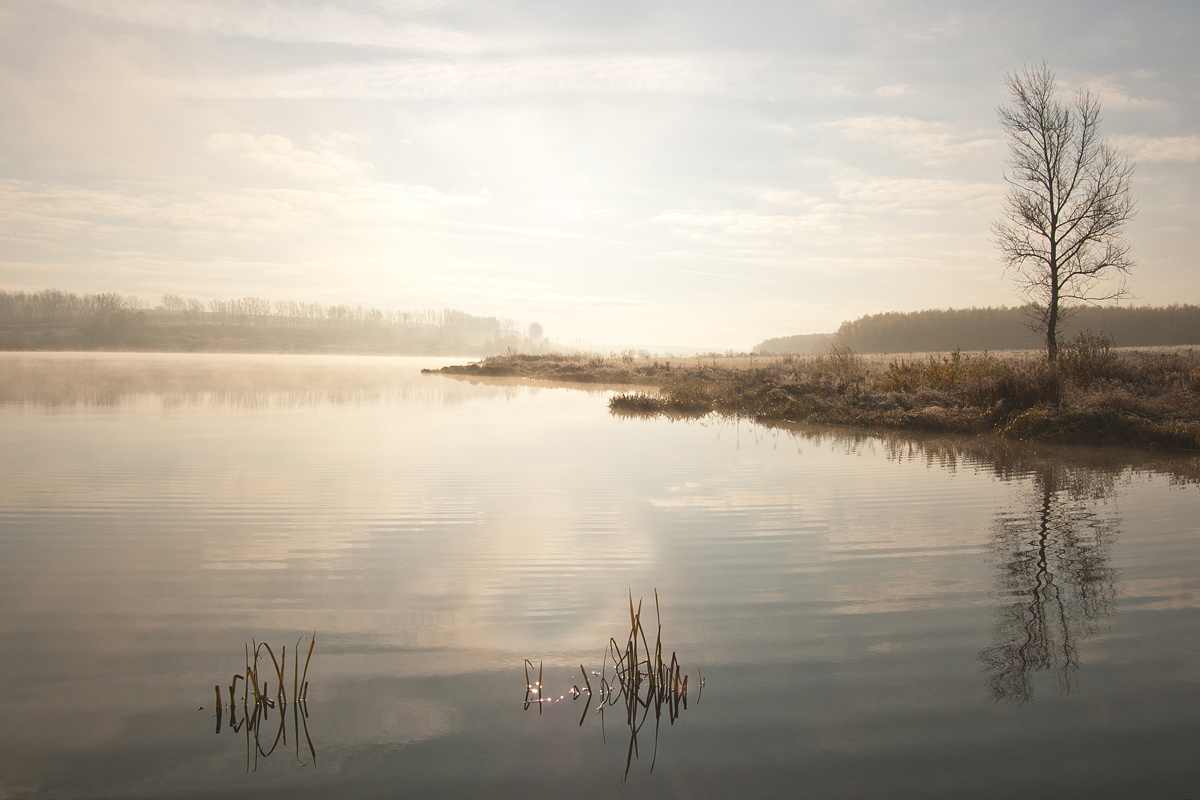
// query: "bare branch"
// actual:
[[1069, 199]]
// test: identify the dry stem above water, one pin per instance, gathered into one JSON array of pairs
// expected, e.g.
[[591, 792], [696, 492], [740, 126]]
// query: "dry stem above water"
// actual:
[[643, 680], [257, 701], [1095, 394]]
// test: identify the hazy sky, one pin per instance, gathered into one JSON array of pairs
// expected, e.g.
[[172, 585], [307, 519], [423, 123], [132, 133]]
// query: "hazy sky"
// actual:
[[660, 172]]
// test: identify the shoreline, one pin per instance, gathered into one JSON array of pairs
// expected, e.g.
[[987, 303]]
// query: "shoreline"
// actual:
[[1096, 395]]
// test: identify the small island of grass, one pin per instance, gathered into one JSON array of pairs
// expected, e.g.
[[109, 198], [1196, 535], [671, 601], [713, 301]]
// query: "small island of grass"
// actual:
[[1094, 394]]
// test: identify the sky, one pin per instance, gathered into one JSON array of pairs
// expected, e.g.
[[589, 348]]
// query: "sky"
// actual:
[[629, 173]]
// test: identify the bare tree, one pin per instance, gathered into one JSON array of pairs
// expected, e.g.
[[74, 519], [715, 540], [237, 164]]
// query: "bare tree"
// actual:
[[1067, 204]]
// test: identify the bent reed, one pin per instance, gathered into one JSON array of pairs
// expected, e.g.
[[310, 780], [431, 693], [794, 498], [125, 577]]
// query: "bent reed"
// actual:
[[1094, 394]]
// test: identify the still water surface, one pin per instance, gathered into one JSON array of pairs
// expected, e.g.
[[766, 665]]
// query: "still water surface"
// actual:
[[873, 616]]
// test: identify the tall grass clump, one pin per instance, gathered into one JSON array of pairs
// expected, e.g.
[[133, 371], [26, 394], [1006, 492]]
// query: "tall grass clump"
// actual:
[[257, 700], [643, 679]]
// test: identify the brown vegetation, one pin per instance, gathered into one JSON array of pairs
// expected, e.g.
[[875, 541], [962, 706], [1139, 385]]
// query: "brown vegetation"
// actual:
[[257, 701], [643, 679], [1094, 395]]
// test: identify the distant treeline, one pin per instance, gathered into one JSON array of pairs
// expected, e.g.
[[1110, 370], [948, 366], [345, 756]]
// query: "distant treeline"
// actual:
[[995, 329], [56, 320], [801, 343]]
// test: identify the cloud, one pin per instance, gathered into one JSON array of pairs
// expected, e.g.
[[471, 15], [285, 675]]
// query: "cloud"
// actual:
[[783, 197], [914, 138], [1114, 95], [382, 24], [126, 215], [700, 225], [493, 77], [895, 90], [869, 209], [915, 195], [1160, 148], [279, 153]]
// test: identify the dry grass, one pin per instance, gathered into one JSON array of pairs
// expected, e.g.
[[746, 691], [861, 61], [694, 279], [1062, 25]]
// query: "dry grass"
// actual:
[[642, 680], [257, 701], [1095, 395]]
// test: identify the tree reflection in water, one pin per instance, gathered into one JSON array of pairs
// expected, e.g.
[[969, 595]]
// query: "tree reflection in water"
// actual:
[[1054, 580]]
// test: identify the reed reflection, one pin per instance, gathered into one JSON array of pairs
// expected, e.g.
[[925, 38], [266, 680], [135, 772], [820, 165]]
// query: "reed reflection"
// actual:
[[642, 681], [257, 703], [1053, 578]]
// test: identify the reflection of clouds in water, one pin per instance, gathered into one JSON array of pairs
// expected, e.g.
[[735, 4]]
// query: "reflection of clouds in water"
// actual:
[[825, 519], [527, 575], [426, 541], [329, 535], [247, 562], [509, 525], [700, 496], [1160, 594], [92, 722], [380, 712]]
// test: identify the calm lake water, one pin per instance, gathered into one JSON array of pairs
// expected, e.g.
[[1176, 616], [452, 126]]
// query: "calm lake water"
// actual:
[[873, 617]]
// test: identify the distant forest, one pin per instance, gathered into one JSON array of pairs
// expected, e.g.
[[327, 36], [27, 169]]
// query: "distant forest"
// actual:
[[995, 329], [56, 320]]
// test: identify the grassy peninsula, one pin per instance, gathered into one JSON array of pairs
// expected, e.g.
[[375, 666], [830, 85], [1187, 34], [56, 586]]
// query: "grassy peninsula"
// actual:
[[1095, 394]]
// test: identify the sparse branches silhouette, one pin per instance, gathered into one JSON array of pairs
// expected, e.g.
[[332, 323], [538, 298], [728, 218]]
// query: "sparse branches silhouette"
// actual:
[[1067, 204]]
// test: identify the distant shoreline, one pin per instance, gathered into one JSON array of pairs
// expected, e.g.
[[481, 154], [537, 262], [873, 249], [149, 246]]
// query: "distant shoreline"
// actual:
[[53, 320], [1096, 396]]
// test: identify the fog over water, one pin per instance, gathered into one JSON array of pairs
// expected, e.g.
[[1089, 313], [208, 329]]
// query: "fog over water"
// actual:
[[873, 615]]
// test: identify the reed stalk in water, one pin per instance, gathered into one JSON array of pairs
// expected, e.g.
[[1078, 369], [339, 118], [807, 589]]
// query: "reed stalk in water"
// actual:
[[643, 680], [258, 690]]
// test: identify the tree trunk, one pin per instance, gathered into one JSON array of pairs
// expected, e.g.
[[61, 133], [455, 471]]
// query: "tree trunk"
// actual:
[[1052, 301], [1052, 330]]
